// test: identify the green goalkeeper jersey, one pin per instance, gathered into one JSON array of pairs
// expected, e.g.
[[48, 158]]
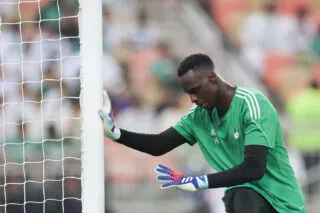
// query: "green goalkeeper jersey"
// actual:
[[250, 120]]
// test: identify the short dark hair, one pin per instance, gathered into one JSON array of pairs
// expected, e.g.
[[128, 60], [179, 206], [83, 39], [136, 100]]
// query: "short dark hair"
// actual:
[[195, 61], [314, 84]]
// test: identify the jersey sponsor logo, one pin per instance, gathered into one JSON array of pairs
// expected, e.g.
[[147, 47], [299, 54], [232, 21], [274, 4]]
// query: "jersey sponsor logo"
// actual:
[[214, 136], [236, 133]]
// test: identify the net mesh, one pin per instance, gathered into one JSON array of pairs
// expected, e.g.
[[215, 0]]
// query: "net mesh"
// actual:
[[40, 167]]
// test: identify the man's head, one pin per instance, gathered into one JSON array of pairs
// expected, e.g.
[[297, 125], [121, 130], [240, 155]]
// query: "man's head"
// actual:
[[302, 13], [198, 79], [106, 13], [142, 17], [270, 8], [314, 84]]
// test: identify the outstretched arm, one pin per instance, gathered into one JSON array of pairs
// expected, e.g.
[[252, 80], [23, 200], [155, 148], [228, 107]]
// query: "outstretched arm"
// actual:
[[251, 169], [153, 144]]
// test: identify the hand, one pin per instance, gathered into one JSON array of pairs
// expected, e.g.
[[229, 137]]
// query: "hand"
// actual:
[[179, 180], [110, 128]]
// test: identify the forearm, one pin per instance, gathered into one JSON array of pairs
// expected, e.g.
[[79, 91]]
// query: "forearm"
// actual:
[[252, 169], [153, 144]]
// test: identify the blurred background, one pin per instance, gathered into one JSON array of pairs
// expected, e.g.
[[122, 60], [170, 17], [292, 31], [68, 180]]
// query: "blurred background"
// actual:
[[271, 45]]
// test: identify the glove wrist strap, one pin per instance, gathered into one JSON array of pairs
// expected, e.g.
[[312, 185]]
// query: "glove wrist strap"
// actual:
[[202, 182]]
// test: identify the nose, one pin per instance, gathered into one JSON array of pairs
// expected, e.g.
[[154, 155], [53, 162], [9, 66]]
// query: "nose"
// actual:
[[193, 98]]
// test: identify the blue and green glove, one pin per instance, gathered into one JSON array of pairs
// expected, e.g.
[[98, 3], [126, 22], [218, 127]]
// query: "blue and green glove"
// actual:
[[110, 128], [171, 178]]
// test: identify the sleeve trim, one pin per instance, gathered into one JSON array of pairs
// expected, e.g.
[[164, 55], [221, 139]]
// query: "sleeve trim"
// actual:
[[252, 103]]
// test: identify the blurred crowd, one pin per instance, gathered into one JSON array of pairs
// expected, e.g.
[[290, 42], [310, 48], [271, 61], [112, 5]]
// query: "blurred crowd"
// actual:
[[40, 111], [277, 39], [269, 32], [40, 87]]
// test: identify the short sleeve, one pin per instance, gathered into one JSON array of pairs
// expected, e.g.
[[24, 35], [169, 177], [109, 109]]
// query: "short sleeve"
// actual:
[[261, 121], [185, 126]]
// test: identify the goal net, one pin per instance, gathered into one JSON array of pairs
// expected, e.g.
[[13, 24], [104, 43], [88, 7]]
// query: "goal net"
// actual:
[[40, 125]]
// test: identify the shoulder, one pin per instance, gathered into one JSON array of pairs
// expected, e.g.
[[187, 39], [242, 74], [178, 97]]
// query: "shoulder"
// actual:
[[254, 95], [254, 101]]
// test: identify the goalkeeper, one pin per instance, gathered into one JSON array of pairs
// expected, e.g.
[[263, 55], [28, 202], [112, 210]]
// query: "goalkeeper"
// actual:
[[239, 134]]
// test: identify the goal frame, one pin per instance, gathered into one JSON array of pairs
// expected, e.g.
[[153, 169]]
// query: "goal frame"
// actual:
[[92, 139]]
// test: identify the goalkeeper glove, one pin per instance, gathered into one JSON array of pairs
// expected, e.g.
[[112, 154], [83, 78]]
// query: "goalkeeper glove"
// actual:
[[179, 180], [110, 128]]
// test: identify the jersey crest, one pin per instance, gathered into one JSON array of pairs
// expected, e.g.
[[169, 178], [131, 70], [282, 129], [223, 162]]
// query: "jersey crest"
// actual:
[[236, 133]]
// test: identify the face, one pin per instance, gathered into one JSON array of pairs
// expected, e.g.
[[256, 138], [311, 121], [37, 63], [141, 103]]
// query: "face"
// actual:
[[202, 87]]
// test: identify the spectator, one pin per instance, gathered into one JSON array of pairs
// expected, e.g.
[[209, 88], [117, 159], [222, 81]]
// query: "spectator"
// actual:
[[258, 34], [296, 33], [305, 29], [113, 35], [315, 44], [163, 69], [304, 135], [33, 118], [144, 35]]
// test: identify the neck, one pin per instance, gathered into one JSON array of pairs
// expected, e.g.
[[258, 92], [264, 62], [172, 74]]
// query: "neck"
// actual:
[[225, 96]]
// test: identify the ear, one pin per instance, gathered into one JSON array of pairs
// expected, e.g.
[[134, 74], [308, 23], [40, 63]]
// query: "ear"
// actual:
[[212, 76]]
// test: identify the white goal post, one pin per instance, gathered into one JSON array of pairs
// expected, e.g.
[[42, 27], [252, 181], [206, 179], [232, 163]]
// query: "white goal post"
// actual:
[[91, 99], [51, 136]]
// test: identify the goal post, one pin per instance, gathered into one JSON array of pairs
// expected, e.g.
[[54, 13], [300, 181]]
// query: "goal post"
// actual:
[[51, 136], [91, 51]]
